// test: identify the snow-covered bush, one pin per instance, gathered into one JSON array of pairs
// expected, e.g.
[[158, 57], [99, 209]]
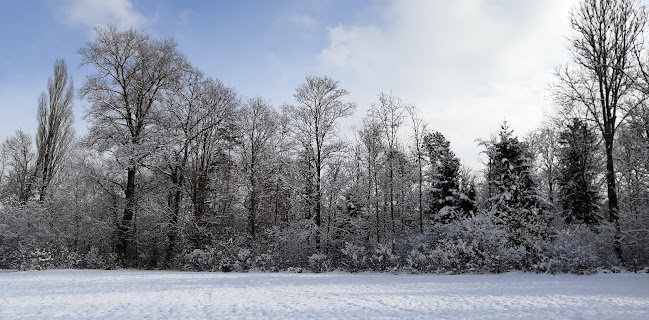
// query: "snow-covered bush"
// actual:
[[265, 262], [227, 259], [319, 262], [487, 242], [353, 257], [384, 259], [577, 249], [199, 260], [38, 259], [454, 256], [420, 260], [291, 244], [95, 259], [74, 259], [243, 260], [294, 270], [603, 242], [475, 244], [568, 255], [207, 260], [10, 251]]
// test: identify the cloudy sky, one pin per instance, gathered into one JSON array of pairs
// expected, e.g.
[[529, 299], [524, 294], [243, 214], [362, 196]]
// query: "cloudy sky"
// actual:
[[466, 64]]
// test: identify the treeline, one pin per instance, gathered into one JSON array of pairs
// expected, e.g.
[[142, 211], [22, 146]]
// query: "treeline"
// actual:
[[177, 171]]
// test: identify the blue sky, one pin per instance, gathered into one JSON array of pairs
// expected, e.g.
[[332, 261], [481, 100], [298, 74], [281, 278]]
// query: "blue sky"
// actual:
[[468, 65]]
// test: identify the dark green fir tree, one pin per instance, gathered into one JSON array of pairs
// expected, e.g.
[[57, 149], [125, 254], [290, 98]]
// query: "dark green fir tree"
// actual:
[[578, 167]]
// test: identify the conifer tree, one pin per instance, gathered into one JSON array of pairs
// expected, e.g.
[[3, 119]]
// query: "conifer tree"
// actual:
[[578, 194], [514, 196], [448, 201]]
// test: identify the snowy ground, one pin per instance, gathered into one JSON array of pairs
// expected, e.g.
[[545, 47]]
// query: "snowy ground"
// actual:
[[128, 294]]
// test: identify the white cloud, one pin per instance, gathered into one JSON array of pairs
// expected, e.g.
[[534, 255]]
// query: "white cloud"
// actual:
[[468, 65], [91, 13]]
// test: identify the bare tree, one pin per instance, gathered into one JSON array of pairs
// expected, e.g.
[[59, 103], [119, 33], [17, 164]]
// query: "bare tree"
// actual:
[[3, 169], [419, 131], [372, 148], [197, 112], [19, 160], [55, 133], [183, 120], [601, 80], [259, 125], [314, 117], [545, 147], [210, 159], [633, 155], [131, 73], [197, 116], [389, 112]]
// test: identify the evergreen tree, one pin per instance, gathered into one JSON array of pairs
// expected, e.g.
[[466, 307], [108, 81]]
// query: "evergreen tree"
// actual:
[[467, 199], [514, 196], [578, 194], [448, 201]]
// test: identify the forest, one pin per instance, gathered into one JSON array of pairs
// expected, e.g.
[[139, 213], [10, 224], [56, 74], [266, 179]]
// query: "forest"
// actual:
[[178, 171]]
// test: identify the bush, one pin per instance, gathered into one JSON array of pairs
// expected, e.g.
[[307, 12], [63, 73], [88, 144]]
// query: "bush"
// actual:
[[10, 248], [319, 263], [383, 259], [419, 260], [475, 244], [353, 257], [228, 259], [243, 260], [265, 262], [455, 256], [572, 251], [94, 259], [198, 260], [487, 242], [38, 259]]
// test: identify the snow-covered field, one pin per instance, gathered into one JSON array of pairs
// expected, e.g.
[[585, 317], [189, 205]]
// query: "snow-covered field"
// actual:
[[129, 294]]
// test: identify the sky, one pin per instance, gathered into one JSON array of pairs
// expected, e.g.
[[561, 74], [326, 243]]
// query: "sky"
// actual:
[[467, 65]]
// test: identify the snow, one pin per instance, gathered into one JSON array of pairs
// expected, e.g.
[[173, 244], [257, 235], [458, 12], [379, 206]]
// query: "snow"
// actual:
[[129, 294]]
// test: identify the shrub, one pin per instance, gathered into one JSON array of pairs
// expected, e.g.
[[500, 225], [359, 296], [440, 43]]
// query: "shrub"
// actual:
[[319, 263], [383, 259], [199, 260], [419, 260], [353, 257], [265, 262], [38, 259], [571, 251]]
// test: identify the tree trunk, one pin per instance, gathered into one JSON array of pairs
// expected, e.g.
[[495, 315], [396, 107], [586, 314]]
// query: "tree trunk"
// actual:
[[177, 181], [123, 236], [376, 207], [199, 202], [610, 180], [613, 215], [45, 178], [421, 181], [252, 214], [276, 201], [318, 206], [392, 198]]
